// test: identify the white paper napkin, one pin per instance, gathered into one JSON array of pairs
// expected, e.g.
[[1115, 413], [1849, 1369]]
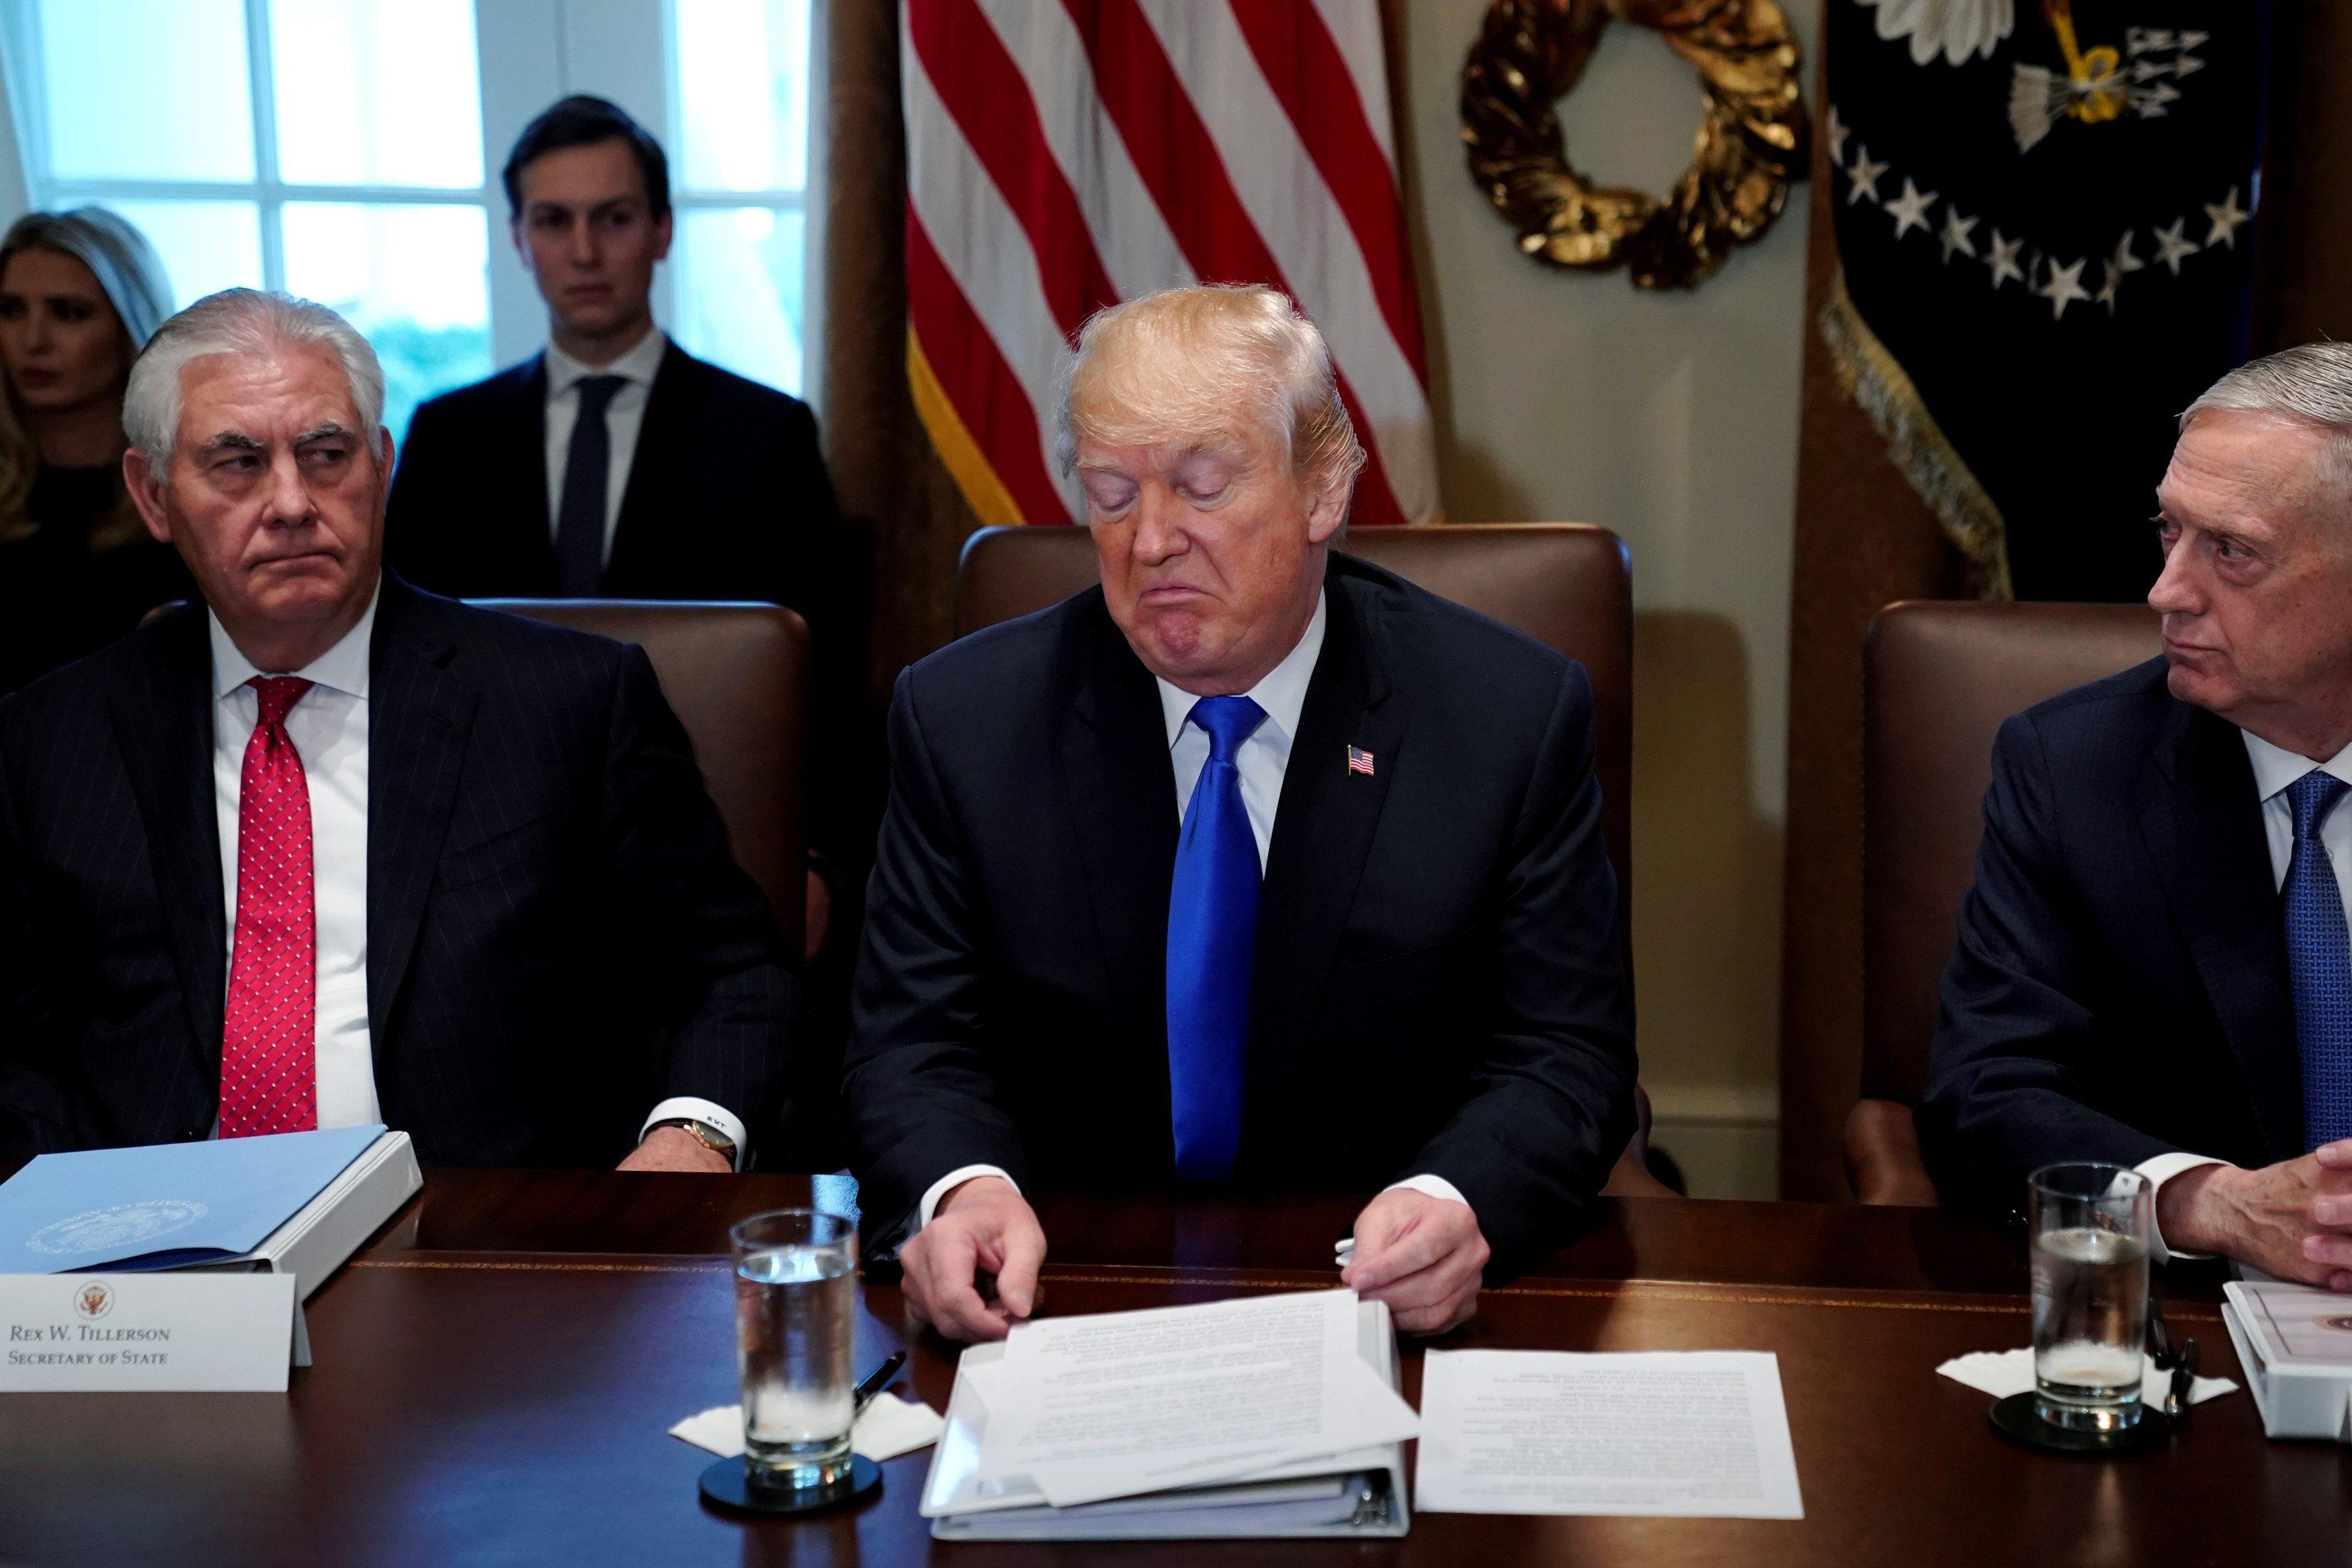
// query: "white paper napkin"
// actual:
[[885, 1428], [2001, 1372]]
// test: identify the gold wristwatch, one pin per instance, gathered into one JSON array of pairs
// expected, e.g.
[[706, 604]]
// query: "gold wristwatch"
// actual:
[[703, 1133]]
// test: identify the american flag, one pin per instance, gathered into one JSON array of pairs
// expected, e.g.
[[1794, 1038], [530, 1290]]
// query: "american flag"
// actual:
[[1066, 154], [1359, 761]]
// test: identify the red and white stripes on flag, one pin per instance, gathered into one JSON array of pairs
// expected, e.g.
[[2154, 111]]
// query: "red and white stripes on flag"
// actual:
[[1066, 154]]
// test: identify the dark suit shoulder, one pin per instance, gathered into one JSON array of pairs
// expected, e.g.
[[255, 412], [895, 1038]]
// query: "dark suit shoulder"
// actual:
[[481, 398], [1447, 652], [2130, 695], [1027, 658], [69, 693], [501, 647], [1415, 611], [2108, 727], [737, 396]]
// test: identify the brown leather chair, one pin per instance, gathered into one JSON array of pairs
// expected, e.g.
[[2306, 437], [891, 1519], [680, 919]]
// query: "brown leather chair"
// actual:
[[737, 675], [1567, 585], [1937, 680]]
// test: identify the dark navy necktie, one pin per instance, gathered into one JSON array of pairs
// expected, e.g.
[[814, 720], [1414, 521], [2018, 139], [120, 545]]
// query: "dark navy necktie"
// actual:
[[1212, 928], [2319, 962], [587, 483]]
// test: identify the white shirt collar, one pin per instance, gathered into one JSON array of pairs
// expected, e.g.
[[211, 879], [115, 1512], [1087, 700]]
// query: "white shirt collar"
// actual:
[[2276, 767], [638, 365], [1283, 693], [341, 668]]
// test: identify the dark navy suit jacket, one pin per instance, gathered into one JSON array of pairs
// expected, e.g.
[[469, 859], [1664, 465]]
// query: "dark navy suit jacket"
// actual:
[[2119, 989], [728, 498], [556, 936], [1439, 984]]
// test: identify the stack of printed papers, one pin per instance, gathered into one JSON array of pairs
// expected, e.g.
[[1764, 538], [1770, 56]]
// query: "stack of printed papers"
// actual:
[[1267, 1416]]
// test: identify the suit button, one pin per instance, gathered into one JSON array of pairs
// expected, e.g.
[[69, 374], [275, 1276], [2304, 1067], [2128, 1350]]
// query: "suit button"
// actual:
[[191, 1134]]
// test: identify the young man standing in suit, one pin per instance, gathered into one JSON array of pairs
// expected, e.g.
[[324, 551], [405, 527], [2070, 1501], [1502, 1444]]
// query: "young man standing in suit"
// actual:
[[2153, 966], [321, 850], [617, 466], [1255, 866]]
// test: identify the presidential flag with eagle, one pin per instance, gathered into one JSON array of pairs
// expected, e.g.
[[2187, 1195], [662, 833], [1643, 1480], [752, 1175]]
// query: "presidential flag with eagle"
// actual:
[[2043, 212]]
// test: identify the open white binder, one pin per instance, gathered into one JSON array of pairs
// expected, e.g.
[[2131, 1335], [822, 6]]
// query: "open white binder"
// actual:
[[1359, 1493], [2294, 1342], [324, 1232]]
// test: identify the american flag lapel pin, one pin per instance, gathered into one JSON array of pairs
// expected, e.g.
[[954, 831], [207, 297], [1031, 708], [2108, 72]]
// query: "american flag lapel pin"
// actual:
[[1359, 761]]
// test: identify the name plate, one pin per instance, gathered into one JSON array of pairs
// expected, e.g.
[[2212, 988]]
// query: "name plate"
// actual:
[[161, 1333]]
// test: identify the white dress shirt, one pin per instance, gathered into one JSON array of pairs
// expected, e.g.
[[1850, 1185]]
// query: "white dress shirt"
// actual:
[[625, 417], [2275, 769], [329, 727], [1263, 760]]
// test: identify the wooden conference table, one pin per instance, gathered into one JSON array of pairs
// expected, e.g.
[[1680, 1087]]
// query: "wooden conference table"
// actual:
[[496, 1374]]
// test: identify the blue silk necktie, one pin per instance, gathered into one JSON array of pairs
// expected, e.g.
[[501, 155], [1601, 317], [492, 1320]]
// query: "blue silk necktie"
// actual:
[[1212, 929], [2319, 963]]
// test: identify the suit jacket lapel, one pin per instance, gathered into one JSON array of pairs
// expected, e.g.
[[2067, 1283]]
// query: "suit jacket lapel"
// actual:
[[1323, 829], [529, 541], [420, 714], [652, 470], [165, 730], [2204, 828], [1122, 809]]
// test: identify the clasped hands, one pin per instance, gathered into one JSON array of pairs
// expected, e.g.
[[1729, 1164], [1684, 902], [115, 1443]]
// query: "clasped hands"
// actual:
[[1422, 1255], [2292, 1220]]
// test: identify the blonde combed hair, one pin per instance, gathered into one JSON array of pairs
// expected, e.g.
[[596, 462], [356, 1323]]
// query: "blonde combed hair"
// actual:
[[132, 279], [1210, 361]]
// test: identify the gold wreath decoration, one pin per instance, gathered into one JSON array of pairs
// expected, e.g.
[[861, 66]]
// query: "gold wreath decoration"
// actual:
[[1752, 139]]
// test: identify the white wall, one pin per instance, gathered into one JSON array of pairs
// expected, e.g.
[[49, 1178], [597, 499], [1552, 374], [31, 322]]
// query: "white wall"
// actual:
[[1672, 418]]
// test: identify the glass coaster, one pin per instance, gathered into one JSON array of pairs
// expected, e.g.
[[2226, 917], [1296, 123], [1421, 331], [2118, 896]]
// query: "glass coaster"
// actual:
[[2014, 1419], [727, 1483]]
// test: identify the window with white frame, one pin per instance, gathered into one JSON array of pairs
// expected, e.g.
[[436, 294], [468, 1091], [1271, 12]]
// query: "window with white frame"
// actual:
[[336, 148]]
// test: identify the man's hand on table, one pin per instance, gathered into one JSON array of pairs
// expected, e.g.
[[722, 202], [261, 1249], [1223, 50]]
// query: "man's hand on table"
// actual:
[[1423, 1256], [675, 1149], [2292, 1219], [981, 1227]]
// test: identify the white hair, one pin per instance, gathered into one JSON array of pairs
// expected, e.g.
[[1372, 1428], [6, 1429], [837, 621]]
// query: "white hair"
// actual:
[[247, 322], [2310, 384]]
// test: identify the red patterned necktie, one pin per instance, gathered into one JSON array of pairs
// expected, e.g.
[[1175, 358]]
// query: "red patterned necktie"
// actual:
[[268, 1068]]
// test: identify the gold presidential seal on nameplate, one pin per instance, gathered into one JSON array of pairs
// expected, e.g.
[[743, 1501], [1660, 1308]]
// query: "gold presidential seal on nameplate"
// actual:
[[93, 1300]]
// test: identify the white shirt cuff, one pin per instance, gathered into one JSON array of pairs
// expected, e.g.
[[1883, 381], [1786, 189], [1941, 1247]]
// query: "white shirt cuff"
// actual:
[[952, 1180], [2159, 1171], [1430, 1187], [719, 1116]]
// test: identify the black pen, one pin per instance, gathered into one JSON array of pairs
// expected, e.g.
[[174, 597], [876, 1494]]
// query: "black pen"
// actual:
[[863, 1394]]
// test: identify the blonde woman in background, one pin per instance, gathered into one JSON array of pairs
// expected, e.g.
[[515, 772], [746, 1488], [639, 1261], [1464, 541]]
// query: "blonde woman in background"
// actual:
[[79, 294]]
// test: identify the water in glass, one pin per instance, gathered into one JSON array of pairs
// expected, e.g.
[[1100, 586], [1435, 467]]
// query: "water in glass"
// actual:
[[795, 1309], [2092, 1227]]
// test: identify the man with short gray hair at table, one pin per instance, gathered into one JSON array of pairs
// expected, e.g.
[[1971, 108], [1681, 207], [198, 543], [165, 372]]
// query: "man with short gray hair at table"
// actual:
[[325, 850], [1255, 868], [2153, 968]]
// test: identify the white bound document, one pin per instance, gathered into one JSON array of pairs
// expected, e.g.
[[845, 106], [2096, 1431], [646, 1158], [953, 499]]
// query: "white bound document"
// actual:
[[1268, 1415], [2295, 1343]]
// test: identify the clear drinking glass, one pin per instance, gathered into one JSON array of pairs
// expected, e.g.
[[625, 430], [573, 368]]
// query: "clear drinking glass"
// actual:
[[2091, 1225], [795, 1296]]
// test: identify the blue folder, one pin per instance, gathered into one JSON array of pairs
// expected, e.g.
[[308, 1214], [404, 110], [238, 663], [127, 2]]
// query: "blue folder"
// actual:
[[167, 1204]]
